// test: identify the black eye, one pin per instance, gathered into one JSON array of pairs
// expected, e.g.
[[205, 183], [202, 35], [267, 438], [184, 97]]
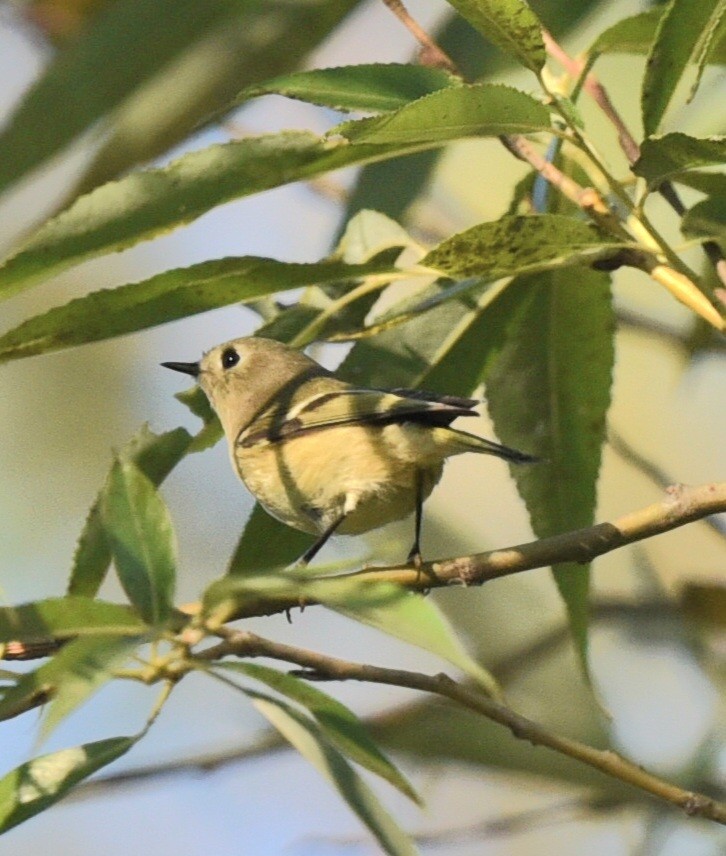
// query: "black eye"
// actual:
[[230, 358]]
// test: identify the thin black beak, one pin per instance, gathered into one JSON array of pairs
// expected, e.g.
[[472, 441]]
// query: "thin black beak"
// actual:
[[185, 368]]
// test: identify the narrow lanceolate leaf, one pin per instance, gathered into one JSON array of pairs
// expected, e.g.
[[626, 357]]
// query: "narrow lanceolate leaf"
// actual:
[[516, 244], [683, 37], [147, 203], [77, 671], [156, 455], [139, 532], [307, 738], [169, 296], [65, 617], [339, 724], [635, 35], [265, 544], [668, 156], [37, 785], [548, 393], [480, 110], [130, 42], [509, 24], [368, 88], [707, 219], [403, 615]]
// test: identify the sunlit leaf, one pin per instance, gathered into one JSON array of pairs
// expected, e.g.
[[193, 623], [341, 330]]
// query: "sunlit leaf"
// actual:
[[309, 741], [510, 25], [140, 535], [169, 296], [515, 244], [78, 670], [366, 88], [65, 617], [480, 110], [339, 724], [37, 785]]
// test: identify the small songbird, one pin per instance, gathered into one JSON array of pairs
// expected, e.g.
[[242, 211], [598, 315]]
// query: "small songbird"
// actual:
[[322, 455]]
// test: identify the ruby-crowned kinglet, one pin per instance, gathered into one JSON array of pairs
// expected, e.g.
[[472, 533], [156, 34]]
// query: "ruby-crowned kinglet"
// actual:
[[322, 455]]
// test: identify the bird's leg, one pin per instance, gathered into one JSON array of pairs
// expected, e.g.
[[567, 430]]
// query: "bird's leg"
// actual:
[[415, 552], [315, 548]]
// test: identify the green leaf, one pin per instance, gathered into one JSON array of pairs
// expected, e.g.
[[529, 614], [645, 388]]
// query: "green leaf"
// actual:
[[635, 35], [156, 455], [707, 218], [711, 183], [66, 617], [78, 670], [128, 43], [666, 157], [266, 544], [259, 41], [683, 37], [548, 392], [516, 244], [139, 531], [368, 88], [401, 614], [479, 110], [169, 296], [151, 202], [37, 785], [339, 724], [509, 24], [309, 741]]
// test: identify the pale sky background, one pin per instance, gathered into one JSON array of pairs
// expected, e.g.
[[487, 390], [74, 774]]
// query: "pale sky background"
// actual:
[[61, 414]]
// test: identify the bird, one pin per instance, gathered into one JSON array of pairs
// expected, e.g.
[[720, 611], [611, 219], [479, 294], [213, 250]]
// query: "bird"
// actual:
[[323, 455]]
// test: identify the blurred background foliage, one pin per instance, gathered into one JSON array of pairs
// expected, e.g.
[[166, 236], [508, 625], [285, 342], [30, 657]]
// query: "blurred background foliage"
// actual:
[[657, 608]]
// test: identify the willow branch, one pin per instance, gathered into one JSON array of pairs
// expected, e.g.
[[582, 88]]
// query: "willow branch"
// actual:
[[431, 54], [318, 666], [631, 149]]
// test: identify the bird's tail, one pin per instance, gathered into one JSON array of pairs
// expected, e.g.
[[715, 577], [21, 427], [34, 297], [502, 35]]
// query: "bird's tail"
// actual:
[[461, 441]]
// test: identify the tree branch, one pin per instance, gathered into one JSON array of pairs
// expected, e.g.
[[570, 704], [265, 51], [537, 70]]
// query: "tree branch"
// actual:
[[322, 667]]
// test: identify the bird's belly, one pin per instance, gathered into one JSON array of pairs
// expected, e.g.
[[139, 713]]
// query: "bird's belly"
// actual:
[[367, 475]]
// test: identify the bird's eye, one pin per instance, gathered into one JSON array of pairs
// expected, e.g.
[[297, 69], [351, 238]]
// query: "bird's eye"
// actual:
[[230, 358]]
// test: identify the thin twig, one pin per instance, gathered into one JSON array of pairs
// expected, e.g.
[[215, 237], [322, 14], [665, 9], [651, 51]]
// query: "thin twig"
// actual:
[[322, 667], [431, 54]]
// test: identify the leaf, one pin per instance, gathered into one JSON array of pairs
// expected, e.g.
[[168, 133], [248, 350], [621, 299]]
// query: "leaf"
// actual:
[[515, 244], [139, 531], [548, 391], [78, 670], [130, 42], [156, 455], [367, 88], [66, 617], [682, 38], [478, 110], [266, 544], [510, 25], [401, 614], [711, 183], [707, 218], [306, 737], [666, 157], [631, 35], [38, 784], [151, 202], [339, 724], [169, 296], [259, 41]]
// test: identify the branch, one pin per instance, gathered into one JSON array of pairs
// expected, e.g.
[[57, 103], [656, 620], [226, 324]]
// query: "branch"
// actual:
[[322, 667]]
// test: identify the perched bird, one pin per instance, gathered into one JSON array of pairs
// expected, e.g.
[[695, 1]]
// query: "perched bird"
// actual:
[[322, 455]]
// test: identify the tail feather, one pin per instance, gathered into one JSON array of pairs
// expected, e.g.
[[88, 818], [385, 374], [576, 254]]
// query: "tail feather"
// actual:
[[462, 441]]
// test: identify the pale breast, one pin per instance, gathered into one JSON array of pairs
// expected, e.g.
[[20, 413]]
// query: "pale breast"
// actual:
[[368, 473]]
